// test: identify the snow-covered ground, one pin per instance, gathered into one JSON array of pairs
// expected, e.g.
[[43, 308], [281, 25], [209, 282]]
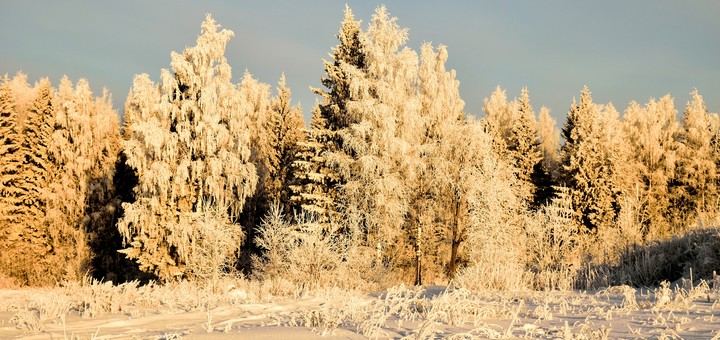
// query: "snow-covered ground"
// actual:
[[104, 312]]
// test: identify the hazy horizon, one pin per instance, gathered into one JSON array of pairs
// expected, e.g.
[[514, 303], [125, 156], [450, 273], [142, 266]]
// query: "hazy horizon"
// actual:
[[621, 51]]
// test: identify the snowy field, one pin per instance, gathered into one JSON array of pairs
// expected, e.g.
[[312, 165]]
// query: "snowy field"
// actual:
[[100, 311]]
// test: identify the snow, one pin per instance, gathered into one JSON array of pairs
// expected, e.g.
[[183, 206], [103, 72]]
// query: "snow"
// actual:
[[616, 312]]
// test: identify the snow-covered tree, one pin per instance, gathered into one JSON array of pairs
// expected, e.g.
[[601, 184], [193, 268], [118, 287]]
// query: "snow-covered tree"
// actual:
[[287, 132], [14, 229], [277, 127], [348, 59], [516, 138], [499, 117], [588, 169], [438, 191], [695, 186], [495, 242], [83, 152], [255, 104], [549, 136], [312, 184], [650, 133], [190, 145], [374, 156]]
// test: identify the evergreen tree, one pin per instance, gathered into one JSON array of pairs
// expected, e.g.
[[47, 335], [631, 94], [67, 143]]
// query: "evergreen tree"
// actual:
[[348, 58], [11, 214], [191, 148], [373, 162], [287, 133], [587, 165], [312, 179], [36, 134]]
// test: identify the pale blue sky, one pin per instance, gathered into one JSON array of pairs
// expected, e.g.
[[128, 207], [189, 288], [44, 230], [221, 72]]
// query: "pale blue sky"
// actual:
[[623, 50]]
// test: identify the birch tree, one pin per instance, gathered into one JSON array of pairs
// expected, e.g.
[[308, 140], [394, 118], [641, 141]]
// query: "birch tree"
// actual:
[[650, 131], [695, 189], [190, 145]]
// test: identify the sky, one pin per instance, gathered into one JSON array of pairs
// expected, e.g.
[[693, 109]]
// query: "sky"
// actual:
[[622, 50]]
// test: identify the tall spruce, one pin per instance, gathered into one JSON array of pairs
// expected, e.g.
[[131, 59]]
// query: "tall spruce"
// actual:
[[587, 165], [287, 132], [11, 214], [348, 58]]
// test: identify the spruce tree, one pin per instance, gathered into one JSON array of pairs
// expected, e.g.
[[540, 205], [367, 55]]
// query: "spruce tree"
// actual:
[[287, 133], [587, 167], [11, 196], [348, 59], [312, 182]]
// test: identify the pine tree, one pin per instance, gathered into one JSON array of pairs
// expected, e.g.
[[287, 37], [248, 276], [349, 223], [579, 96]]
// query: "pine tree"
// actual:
[[191, 148]]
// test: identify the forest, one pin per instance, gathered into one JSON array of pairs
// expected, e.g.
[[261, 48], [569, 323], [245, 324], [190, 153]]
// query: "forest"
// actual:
[[391, 183]]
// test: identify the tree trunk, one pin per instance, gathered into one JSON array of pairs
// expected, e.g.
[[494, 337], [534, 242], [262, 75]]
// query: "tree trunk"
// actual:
[[455, 241]]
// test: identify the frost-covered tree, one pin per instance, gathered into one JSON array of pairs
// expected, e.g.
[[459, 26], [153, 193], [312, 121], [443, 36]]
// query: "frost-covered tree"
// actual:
[[12, 194], [495, 242], [695, 185], [499, 117], [650, 133], [277, 127], [549, 136], [312, 184], [26, 120], [516, 138], [588, 168], [255, 104], [438, 191], [81, 195], [190, 145], [374, 156], [63, 159], [348, 60], [287, 132]]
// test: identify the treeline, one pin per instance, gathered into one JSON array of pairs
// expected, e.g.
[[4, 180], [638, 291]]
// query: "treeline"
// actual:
[[393, 181]]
